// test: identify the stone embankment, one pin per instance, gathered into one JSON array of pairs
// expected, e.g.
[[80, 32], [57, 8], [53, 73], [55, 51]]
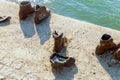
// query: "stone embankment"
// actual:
[[25, 48]]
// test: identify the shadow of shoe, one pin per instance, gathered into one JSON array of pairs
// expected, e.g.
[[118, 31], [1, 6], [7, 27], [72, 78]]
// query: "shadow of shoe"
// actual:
[[4, 24], [63, 52], [27, 27], [111, 67], [43, 30], [65, 73]]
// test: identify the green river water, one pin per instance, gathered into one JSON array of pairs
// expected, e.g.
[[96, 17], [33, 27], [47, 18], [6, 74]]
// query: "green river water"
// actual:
[[101, 12]]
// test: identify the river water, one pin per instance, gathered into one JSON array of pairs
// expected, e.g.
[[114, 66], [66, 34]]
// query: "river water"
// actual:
[[101, 12]]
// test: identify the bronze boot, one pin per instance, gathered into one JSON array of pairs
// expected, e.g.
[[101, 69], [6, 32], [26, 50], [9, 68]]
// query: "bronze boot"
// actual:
[[58, 61], [41, 13], [59, 42], [70, 62], [117, 55], [106, 43], [4, 18], [25, 9]]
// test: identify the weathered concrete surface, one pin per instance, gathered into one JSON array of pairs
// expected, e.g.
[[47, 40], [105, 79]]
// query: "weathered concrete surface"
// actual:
[[25, 48]]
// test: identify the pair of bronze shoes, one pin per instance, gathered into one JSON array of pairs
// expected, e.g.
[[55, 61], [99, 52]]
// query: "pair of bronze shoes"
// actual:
[[41, 12], [57, 60], [107, 44]]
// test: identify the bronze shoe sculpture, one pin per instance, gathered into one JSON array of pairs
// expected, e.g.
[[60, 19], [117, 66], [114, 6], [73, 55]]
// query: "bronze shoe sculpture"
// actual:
[[59, 42], [117, 55], [4, 18], [25, 9], [106, 43], [58, 61], [41, 13]]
